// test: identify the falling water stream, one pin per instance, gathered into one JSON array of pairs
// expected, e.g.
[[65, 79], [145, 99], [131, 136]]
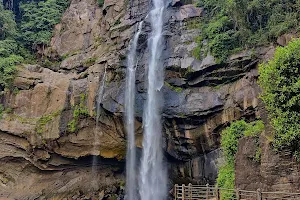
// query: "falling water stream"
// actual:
[[131, 183], [153, 179], [100, 97], [98, 115]]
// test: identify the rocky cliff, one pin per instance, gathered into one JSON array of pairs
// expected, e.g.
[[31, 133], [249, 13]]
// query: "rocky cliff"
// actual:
[[274, 172], [49, 133]]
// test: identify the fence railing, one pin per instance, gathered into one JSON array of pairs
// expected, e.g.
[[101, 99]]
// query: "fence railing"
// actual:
[[200, 192]]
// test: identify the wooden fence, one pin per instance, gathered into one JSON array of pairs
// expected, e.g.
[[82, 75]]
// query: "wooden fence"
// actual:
[[198, 192]]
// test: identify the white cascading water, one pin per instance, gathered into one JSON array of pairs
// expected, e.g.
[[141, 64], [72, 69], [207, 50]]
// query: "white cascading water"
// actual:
[[153, 178], [96, 139], [100, 97], [131, 183]]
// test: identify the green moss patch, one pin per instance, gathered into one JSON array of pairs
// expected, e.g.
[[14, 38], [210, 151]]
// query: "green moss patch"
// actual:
[[79, 110], [44, 120]]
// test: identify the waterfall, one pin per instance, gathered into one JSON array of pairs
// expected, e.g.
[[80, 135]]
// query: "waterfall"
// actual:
[[153, 178], [100, 97], [98, 114], [131, 184]]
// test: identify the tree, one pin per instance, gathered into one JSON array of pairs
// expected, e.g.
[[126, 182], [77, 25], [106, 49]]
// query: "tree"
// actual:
[[249, 23], [35, 28], [38, 20], [8, 26], [280, 81], [8, 48]]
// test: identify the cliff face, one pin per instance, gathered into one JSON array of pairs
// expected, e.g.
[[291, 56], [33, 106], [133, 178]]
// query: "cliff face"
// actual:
[[275, 172], [43, 155]]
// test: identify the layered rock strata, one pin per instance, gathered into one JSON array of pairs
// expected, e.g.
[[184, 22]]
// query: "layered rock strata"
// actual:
[[48, 130]]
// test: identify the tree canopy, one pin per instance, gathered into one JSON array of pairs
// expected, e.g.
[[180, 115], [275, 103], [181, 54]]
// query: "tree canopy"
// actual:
[[8, 47], [8, 26], [280, 81], [19, 38], [232, 25], [38, 20]]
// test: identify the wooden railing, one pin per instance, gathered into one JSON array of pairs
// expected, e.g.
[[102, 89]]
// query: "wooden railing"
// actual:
[[198, 192]]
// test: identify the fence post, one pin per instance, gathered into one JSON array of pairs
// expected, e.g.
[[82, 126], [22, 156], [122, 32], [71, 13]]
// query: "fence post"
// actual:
[[217, 193], [190, 191], [259, 196], [237, 194], [207, 190], [175, 191], [183, 192]]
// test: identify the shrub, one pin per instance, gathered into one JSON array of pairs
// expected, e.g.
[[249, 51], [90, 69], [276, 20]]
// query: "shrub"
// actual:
[[44, 120], [8, 47], [229, 145], [8, 26], [8, 70], [280, 81], [89, 62], [79, 110], [226, 179], [100, 3], [1, 111]]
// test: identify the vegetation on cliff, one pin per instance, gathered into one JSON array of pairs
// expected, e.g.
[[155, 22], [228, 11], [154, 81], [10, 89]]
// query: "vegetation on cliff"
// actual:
[[38, 20], [100, 3], [280, 81], [9, 48], [1, 111], [20, 37], [233, 25], [229, 144], [79, 110]]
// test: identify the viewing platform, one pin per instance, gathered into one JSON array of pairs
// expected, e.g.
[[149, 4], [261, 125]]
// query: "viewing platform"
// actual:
[[206, 192]]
